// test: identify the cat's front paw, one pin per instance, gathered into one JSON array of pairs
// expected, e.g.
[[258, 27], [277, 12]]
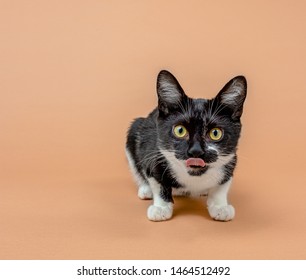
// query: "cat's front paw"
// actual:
[[160, 213], [145, 192], [222, 213]]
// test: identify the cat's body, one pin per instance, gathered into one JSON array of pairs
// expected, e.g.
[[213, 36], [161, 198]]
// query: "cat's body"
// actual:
[[187, 147]]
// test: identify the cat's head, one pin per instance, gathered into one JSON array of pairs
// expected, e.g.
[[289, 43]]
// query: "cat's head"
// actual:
[[199, 133]]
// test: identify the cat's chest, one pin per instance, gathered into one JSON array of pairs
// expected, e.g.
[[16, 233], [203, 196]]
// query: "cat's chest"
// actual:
[[197, 185], [191, 184]]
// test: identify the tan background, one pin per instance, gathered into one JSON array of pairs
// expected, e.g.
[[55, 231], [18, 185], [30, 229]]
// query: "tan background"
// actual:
[[73, 74]]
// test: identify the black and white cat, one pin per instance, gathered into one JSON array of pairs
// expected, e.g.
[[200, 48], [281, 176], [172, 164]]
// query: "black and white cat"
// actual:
[[187, 147]]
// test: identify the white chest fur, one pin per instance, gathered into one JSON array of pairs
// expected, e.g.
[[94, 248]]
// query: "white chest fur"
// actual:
[[196, 185]]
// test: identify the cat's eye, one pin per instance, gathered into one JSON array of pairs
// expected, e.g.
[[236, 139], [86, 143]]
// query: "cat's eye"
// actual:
[[215, 134], [180, 131]]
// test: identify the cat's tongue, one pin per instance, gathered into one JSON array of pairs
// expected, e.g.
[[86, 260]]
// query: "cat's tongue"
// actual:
[[195, 162]]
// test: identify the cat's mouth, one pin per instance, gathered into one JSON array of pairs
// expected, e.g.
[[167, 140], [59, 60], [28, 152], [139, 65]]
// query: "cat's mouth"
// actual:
[[196, 166], [195, 163]]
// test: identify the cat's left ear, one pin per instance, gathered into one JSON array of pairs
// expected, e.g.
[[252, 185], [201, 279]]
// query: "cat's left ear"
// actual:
[[171, 95], [233, 95]]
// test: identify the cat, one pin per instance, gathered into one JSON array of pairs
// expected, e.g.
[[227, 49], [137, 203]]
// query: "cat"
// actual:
[[187, 147]]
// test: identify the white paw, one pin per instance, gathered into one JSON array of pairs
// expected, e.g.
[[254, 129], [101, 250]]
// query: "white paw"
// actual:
[[145, 192], [222, 213], [160, 213]]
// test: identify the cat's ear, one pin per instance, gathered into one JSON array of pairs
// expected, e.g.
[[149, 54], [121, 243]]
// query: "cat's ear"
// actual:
[[171, 96], [233, 95]]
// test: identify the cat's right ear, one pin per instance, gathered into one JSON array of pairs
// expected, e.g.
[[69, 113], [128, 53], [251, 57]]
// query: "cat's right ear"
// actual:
[[171, 96]]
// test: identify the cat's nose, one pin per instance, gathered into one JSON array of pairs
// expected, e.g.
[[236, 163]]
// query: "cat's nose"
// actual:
[[195, 150]]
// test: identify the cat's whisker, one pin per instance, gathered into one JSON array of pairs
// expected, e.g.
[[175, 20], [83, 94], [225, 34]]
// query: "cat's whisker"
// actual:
[[148, 158], [152, 158], [184, 112], [244, 158], [212, 116], [167, 168], [154, 163], [189, 106]]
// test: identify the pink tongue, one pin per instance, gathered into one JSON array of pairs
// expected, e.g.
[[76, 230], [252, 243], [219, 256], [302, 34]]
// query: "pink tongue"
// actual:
[[195, 162]]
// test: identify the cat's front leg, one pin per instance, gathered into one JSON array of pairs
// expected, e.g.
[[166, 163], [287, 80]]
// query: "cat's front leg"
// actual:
[[217, 204], [162, 208]]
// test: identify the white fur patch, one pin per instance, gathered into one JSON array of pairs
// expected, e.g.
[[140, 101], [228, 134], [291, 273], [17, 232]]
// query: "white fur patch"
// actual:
[[223, 213], [145, 192], [197, 185], [212, 148], [158, 213]]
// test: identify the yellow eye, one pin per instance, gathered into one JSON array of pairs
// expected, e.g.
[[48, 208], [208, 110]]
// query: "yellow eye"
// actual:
[[215, 134], [180, 131]]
